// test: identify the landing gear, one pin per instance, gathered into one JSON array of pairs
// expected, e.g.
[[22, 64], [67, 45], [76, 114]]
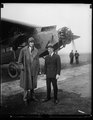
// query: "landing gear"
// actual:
[[13, 70]]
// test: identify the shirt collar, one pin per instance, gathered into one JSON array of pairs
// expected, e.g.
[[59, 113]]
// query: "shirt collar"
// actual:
[[52, 53], [31, 49]]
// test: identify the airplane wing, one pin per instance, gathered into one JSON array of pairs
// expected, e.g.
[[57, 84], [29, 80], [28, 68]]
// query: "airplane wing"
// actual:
[[75, 37], [45, 52], [15, 33], [59, 45]]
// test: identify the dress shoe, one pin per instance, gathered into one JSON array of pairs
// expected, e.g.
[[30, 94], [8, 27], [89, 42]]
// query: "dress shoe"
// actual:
[[25, 99], [45, 100], [34, 99], [55, 101]]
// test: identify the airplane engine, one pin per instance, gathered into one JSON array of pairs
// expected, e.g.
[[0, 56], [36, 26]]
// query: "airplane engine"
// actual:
[[14, 70], [65, 36]]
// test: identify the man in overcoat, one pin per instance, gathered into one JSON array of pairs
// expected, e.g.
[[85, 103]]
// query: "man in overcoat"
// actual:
[[29, 58], [71, 55], [52, 72]]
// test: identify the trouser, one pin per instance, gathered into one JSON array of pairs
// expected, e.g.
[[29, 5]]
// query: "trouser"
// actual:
[[55, 88], [71, 60], [29, 93], [77, 60], [32, 94]]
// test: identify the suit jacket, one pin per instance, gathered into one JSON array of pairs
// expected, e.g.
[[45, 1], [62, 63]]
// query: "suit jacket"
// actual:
[[71, 55], [52, 65], [76, 55]]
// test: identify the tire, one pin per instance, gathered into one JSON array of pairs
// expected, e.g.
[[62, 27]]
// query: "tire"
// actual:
[[13, 70]]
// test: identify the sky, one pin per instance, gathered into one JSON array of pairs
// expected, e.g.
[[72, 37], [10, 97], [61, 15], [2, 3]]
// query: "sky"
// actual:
[[77, 17]]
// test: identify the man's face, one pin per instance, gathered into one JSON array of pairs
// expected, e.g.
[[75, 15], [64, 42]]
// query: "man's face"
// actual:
[[31, 44], [50, 50]]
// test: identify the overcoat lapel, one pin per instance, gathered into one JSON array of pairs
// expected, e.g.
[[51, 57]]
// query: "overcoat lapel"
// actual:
[[33, 54]]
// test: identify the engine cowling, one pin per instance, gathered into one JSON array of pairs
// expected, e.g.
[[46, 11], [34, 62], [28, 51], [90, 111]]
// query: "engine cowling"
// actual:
[[65, 36], [14, 69]]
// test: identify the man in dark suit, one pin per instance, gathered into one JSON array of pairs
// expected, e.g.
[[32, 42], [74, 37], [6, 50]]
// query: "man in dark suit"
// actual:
[[52, 72]]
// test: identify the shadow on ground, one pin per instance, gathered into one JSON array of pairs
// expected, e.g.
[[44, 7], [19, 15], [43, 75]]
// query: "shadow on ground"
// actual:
[[69, 104]]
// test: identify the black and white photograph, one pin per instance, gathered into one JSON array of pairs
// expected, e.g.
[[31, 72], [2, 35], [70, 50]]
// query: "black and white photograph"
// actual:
[[46, 60]]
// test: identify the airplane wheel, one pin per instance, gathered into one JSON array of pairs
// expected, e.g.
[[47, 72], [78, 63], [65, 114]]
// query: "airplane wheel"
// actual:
[[13, 70]]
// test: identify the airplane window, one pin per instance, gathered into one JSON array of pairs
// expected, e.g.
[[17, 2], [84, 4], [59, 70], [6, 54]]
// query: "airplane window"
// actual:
[[19, 47], [2, 50], [7, 49], [48, 28], [11, 49]]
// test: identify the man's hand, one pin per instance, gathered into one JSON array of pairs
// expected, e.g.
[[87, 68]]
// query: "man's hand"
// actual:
[[57, 76], [45, 76]]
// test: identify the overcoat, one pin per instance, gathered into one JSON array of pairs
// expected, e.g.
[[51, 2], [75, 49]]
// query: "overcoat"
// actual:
[[30, 62], [52, 65], [71, 55]]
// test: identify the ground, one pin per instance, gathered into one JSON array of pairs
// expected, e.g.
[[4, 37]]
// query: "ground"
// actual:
[[74, 95]]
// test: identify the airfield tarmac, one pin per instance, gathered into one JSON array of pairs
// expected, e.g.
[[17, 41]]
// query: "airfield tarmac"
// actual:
[[74, 94]]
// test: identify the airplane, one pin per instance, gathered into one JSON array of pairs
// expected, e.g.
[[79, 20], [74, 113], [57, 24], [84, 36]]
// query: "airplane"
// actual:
[[14, 35]]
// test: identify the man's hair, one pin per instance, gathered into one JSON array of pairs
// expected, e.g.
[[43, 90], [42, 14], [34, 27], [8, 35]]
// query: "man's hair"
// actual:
[[31, 39]]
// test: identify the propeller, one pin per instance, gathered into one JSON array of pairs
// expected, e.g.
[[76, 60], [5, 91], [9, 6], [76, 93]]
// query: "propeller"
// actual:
[[73, 45], [65, 36]]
